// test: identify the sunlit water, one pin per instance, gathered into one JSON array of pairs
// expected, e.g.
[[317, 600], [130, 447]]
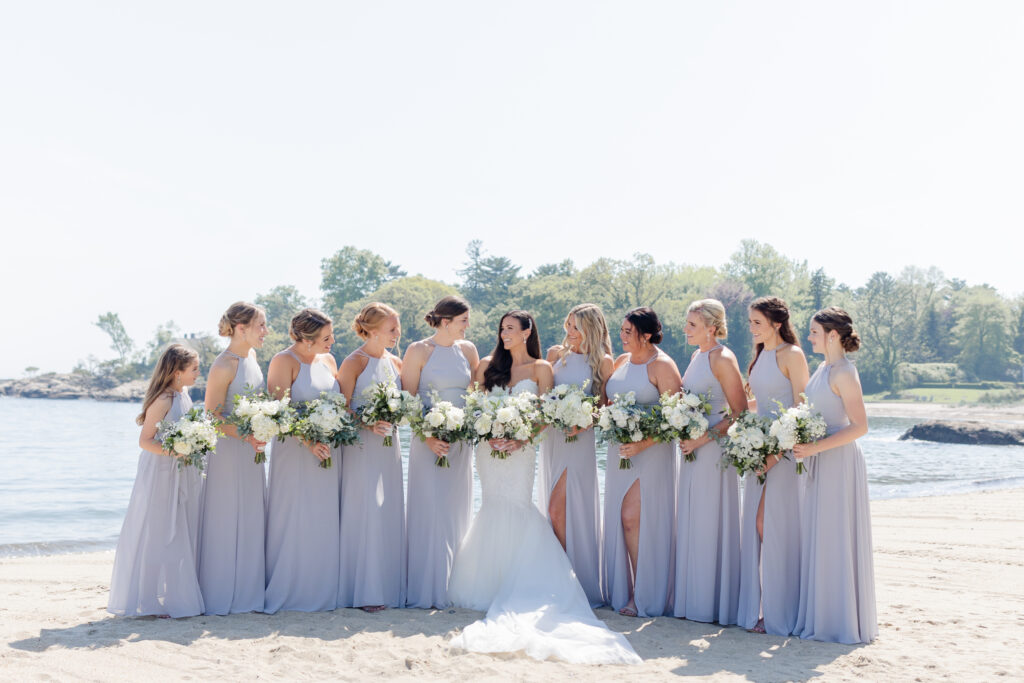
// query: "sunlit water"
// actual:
[[67, 467]]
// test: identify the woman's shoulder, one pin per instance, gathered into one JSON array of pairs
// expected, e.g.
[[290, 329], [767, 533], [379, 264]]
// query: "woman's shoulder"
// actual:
[[161, 405]]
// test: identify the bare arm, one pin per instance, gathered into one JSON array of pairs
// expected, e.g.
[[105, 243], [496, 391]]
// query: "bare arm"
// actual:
[[157, 411], [794, 367], [416, 357], [727, 371], [217, 400], [847, 384], [663, 373], [281, 374], [544, 376]]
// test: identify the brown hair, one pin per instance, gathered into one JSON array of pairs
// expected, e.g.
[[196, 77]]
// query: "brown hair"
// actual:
[[712, 312], [834, 318], [371, 317], [776, 311], [238, 313], [645, 321], [447, 308], [175, 358], [499, 370], [307, 323]]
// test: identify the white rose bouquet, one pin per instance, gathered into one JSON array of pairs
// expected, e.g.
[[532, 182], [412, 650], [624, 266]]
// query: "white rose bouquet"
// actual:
[[568, 407], [444, 421], [798, 424], [623, 421], [385, 402], [500, 415], [748, 444], [681, 416], [258, 414], [191, 437], [326, 420]]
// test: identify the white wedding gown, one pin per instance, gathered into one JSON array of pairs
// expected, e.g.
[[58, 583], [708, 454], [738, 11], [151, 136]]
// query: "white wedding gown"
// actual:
[[512, 565]]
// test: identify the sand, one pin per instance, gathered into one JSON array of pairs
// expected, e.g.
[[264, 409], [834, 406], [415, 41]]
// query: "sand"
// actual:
[[950, 584], [1009, 413]]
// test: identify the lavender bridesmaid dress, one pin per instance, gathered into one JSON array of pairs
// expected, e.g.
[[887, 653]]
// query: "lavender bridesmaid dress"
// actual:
[[302, 513], [155, 563], [707, 560]]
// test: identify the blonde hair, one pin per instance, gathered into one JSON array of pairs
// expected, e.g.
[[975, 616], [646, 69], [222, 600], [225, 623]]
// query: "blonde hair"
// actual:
[[238, 313], [712, 312], [307, 323], [175, 358], [371, 317], [591, 322]]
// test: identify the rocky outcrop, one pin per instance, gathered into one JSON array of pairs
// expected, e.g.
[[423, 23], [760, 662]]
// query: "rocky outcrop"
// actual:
[[947, 431], [72, 386]]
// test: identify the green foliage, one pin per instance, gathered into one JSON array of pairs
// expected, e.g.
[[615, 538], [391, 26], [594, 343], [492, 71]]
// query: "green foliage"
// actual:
[[916, 374], [486, 280], [120, 342], [281, 303], [351, 274], [565, 268], [883, 317], [31, 371], [983, 333]]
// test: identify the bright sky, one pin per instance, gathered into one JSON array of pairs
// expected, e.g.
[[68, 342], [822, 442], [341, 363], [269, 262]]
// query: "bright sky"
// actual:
[[162, 160]]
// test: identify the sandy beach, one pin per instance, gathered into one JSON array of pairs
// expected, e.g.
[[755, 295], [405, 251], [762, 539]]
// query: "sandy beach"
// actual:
[[950, 584], [922, 410]]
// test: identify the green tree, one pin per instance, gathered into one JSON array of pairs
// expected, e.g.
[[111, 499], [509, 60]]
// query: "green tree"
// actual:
[[31, 371], [549, 299], [736, 298], [884, 319], [621, 285], [351, 274], [120, 342], [762, 269], [162, 336], [281, 304], [564, 268], [984, 333], [486, 280]]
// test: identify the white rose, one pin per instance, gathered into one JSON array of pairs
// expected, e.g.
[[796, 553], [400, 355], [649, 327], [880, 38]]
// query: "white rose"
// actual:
[[505, 413], [483, 425], [636, 436], [182, 447]]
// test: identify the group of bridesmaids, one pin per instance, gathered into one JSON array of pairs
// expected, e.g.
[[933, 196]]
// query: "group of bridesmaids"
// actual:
[[672, 539]]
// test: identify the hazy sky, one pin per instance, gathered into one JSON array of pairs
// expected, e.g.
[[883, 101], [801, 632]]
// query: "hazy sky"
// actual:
[[162, 160]]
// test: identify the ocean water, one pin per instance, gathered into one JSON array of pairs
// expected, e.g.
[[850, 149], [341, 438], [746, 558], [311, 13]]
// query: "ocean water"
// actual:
[[67, 468]]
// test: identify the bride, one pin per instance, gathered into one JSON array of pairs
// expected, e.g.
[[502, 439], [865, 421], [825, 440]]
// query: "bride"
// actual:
[[510, 563]]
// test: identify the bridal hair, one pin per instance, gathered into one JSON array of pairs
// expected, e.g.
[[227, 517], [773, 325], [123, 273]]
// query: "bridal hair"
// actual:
[[774, 310], [446, 309], [175, 358], [596, 341], [834, 318], [307, 324], [499, 370], [371, 317], [645, 321], [712, 312], [238, 313]]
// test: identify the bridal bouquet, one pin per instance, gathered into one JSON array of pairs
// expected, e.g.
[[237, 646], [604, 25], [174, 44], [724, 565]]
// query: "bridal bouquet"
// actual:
[[623, 421], [682, 416], [191, 437], [444, 421], [568, 407], [385, 402], [326, 420], [798, 424], [500, 415], [258, 414], [749, 443]]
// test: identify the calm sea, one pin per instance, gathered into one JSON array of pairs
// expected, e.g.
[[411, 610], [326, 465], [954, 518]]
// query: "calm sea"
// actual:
[[67, 467]]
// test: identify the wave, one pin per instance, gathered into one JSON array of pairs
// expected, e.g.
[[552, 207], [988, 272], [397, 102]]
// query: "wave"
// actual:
[[64, 547]]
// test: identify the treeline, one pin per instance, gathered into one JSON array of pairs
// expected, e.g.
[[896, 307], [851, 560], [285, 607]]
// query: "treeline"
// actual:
[[917, 326]]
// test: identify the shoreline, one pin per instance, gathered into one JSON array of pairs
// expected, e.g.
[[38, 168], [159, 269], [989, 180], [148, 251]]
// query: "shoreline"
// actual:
[[1010, 413], [949, 583]]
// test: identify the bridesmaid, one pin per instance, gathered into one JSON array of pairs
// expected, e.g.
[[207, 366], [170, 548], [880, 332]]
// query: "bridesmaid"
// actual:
[[155, 564], [372, 574], [837, 576], [302, 497], [568, 471], [231, 560], [707, 559], [770, 571], [440, 499], [638, 542]]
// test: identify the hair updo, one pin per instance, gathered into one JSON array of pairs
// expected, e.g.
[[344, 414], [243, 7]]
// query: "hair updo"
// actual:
[[307, 324], [238, 313], [446, 309], [834, 318], [712, 313], [371, 317], [645, 321], [775, 311]]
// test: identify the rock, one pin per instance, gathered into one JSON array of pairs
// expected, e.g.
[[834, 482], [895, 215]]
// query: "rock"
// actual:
[[71, 386], [947, 431]]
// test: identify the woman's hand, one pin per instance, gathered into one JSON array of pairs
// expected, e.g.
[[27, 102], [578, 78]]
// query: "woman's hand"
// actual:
[[628, 450], [438, 447], [688, 446], [506, 445], [770, 462], [321, 450], [382, 428], [256, 444], [577, 430], [805, 450]]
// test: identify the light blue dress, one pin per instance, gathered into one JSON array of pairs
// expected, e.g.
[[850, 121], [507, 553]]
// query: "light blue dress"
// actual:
[[770, 573], [837, 577], [440, 499], [707, 560], [654, 469], [231, 533], [302, 513], [578, 460], [372, 535], [155, 569]]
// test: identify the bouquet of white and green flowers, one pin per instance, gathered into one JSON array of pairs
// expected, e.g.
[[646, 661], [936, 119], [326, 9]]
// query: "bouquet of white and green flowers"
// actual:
[[498, 414], [568, 407], [191, 437], [623, 421], [260, 415], [385, 402], [326, 420], [445, 421], [798, 424], [681, 416], [748, 444]]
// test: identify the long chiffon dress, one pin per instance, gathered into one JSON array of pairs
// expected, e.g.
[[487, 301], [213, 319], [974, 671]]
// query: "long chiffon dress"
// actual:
[[440, 498], [837, 577], [578, 461], [231, 533], [655, 470], [770, 572], [155, 569], [707, 560], [302, 513]]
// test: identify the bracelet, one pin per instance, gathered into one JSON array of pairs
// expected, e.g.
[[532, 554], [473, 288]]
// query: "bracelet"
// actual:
[[776, 456]]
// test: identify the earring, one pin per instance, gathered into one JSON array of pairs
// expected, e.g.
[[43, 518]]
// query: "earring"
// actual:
[[309, 346]]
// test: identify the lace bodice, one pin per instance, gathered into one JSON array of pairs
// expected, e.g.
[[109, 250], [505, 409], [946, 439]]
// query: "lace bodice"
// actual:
[[509, 480]]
